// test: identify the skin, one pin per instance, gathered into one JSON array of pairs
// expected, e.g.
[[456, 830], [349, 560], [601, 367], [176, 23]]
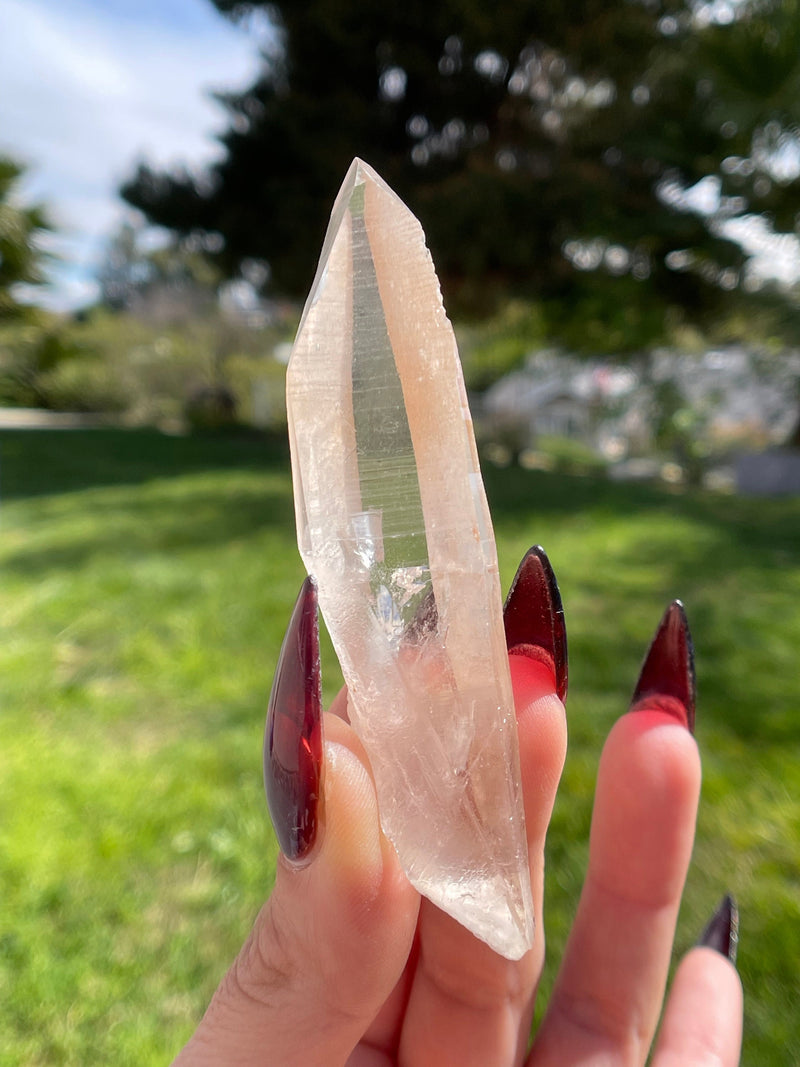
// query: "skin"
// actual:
[[347, 965]]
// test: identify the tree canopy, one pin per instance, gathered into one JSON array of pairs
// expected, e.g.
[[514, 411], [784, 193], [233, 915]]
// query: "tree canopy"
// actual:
[[547, 146], [20, 254]]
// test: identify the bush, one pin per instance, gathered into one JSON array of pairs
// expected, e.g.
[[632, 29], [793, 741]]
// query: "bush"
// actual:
[[30, 353], [86, 385], [210, 407], [570, 456], [207, 372]]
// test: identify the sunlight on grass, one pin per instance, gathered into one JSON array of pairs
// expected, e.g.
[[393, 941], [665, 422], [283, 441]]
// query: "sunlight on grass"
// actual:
[[147, 583]]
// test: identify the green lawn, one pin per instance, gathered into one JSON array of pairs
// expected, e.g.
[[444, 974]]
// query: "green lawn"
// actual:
[[146, 584]]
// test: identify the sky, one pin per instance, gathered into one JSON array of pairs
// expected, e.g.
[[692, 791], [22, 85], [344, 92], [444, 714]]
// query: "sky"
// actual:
[[88, 88]]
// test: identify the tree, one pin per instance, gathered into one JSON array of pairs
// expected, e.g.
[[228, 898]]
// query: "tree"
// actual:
[[20, 253], [174, 281], [547, 147]]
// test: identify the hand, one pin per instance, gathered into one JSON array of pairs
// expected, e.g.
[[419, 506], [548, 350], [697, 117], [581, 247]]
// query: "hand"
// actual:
[[347, 965]]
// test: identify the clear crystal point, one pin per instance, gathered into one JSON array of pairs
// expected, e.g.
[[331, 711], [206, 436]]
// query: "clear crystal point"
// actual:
[[392, 520]]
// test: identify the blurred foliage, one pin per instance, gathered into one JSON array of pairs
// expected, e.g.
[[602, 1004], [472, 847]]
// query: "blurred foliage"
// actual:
[[176, 280], [497, 345], [210, 407], [20, 252], [564, 455], [681, 430], [145, 372], [510, 444], [546, 147], [33, 357]]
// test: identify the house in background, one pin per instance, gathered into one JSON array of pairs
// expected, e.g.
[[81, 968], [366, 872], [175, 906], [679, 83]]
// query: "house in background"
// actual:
[[595, 403], [713, 403]]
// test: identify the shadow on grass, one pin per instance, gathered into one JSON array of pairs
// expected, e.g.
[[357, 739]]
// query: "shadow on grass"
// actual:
[[753, 525], [730, 536], [169, 511], [37, 462], [159, 522], [733, 560]]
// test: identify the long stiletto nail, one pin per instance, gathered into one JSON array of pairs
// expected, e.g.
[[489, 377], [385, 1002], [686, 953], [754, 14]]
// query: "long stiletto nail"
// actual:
[[534, 616], [293, 736], [667, 679], [722, 931]]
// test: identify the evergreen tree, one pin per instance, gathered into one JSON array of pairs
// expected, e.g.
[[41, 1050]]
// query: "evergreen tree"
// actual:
[[20, 254], [547, 147]]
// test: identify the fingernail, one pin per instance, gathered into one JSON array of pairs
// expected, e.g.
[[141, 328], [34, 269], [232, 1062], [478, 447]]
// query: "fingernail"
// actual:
[[293, 736], [722, 931], [666, 679], [534, 617]]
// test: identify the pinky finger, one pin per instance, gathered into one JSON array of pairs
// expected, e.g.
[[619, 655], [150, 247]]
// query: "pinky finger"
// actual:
[[702, 1024]]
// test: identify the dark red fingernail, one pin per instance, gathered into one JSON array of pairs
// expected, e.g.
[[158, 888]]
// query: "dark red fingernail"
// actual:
[[293, 737], [534, 617], [722, 931], [667, 680]]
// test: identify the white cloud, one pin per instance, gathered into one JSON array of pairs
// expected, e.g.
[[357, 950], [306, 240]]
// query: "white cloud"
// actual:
[[87, 90]]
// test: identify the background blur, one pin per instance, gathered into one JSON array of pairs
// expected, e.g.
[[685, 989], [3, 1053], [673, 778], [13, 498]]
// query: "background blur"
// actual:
[[611, 193]]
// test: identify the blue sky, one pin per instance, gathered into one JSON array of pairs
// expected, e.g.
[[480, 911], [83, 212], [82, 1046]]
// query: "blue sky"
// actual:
[[90, 87]]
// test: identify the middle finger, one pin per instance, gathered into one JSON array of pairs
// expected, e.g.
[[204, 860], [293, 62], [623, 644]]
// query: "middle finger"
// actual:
[[477, 1003], [609, 990]]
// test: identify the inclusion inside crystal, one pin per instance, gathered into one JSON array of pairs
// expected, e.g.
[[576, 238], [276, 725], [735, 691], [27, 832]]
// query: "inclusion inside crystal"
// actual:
[[393, 522]]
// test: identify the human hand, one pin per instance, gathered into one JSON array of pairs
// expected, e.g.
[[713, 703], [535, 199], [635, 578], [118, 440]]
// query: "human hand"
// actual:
[[346, 964]]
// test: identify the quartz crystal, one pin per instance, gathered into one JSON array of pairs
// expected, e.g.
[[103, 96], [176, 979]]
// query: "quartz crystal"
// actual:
[[392, 520]]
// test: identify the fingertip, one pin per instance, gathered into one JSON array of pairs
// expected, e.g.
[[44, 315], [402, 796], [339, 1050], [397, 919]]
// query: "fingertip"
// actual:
[[357, 860], [541, 716], [715, 971], [542, 732], [350, 914], [351, 848], [646, 805], [331, 942], [353, 872], [703, 1016], [652, 742], [531, 676]]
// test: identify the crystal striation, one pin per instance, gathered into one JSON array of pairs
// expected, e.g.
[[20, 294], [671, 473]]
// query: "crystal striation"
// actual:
[[392, 520]]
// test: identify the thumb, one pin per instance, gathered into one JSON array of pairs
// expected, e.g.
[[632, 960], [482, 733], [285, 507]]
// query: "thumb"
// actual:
[[331, 943]]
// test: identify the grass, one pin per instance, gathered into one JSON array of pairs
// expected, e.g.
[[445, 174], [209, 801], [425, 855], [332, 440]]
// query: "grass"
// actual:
[[147, 581]]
